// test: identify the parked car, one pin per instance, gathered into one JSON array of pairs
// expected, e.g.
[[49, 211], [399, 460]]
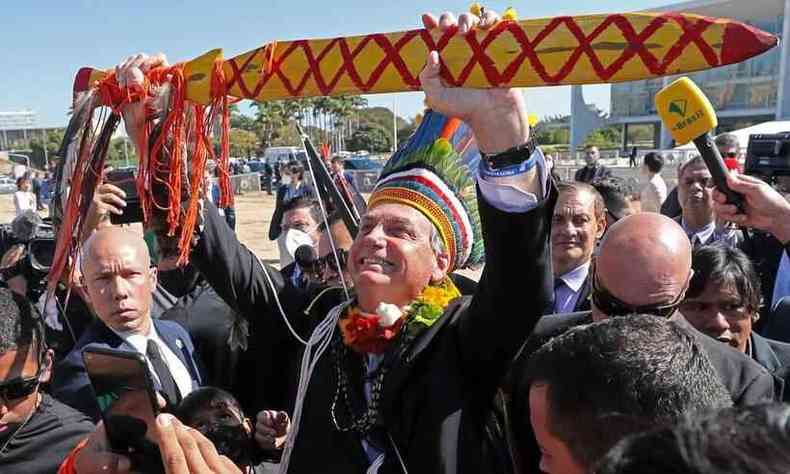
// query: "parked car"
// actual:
[[282, 154], [7, 185]]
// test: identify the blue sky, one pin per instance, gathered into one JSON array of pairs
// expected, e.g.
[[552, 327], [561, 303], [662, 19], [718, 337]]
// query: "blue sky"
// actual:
[[44, 43]]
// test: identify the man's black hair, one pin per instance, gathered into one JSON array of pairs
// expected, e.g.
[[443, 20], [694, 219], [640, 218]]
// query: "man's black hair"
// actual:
[[654, 162], [304, 202], [615, 192], [741, 440], [723, 264], [615, 377], [20, 323], [205, 398], [576, 187]]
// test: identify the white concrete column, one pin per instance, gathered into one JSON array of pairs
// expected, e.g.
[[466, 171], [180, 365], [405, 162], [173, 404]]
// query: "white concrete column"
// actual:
[[783, 89]]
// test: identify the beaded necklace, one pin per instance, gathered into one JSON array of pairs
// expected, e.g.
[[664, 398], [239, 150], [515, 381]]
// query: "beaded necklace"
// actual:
[[360, 336]]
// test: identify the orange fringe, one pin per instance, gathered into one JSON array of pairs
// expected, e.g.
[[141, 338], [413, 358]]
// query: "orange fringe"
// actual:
[[221, 103], [161, 165]]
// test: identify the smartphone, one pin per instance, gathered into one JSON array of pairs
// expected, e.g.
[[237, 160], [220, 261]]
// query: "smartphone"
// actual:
[[126, 398], [125, 179]]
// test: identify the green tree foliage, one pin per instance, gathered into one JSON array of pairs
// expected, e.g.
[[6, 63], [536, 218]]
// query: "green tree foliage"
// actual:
[[608, 137], [380, 116], [372, 138], [53, 140], [243, 143], [121, 153]]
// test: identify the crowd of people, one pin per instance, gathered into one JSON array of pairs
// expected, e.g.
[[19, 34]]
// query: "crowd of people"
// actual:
[[611, 330]]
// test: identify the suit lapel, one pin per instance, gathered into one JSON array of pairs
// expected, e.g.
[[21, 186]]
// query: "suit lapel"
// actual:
[[179, 347], [763, 354], [583, 302], [100, 332], [399, 374]]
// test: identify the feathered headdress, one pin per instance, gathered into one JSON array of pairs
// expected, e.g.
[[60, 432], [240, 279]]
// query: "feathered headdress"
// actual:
[[432, 174]]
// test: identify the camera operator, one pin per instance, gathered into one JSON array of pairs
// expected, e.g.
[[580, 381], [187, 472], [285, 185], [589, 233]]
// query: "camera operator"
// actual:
[[28, 245], [765, 209]]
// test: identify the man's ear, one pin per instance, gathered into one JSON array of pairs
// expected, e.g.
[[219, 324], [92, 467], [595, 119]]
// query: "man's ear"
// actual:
[[442, 265], [601, 226], [152, 274]]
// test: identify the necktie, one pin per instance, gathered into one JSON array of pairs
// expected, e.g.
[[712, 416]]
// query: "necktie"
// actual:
[[169, 388], [558, 283]]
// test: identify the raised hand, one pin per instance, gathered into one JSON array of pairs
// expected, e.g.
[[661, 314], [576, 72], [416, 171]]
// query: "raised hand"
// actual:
[[131, 72], [497, 116], [271, 429], [185, 450], [764, 208]]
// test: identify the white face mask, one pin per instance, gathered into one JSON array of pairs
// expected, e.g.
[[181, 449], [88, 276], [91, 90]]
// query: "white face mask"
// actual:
[[289, 241], [286, 180]]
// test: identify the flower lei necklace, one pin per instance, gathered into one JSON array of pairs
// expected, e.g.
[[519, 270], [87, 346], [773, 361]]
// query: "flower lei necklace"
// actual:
[[368, 333], [374, 334]]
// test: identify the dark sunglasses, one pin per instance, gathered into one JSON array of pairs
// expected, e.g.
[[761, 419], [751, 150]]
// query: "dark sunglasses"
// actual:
[[612, 306], [730, 154], [18, 387]]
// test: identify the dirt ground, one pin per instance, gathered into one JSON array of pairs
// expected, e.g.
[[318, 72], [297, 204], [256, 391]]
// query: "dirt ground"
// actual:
[[253, 214]]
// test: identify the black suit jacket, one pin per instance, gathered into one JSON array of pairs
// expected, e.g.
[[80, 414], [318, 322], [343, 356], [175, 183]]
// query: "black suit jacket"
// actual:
[[587, 174], [775, 357], [436, 398], [747, 382], [71, 384], [765, 252]]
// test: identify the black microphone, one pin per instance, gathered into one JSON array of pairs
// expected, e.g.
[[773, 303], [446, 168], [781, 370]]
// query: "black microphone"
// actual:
[[306, 257]]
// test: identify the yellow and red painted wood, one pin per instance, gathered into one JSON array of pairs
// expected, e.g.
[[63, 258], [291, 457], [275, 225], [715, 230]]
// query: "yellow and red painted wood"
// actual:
[[536, 52]]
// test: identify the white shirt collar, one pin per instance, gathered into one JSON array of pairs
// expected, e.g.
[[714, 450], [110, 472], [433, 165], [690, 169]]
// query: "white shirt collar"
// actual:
[[574, 279], [703, 234], [139, 342]]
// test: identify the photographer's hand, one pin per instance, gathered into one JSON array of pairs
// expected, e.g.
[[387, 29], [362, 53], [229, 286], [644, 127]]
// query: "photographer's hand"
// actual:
[[271, 429], [185, 450], [107, 199], [764, 208]]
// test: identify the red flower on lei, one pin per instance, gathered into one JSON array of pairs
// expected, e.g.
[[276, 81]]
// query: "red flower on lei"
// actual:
[[363, 333]]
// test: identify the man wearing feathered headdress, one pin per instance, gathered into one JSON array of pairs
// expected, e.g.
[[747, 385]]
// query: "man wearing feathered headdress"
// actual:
[[398, 376]]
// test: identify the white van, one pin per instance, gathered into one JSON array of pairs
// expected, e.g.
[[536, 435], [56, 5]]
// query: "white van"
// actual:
[[283, 154]]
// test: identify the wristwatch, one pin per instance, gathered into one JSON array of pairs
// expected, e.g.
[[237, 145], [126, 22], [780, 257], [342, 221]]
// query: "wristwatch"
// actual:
[[510, 157]]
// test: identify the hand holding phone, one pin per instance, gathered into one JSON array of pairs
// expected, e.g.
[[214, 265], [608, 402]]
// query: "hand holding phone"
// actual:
[[128, 404], [125, 181]]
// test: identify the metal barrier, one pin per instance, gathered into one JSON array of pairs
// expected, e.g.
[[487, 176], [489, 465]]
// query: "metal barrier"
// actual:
[[244, 183]]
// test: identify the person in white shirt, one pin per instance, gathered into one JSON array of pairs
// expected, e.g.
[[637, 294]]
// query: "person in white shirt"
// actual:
[[24, 200], [654, 192]]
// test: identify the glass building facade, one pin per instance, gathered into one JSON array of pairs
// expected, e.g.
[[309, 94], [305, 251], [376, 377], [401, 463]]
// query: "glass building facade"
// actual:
[[743, 94]]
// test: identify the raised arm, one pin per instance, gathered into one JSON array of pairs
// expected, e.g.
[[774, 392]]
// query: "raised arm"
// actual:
[[515, 214], [230, 268]]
